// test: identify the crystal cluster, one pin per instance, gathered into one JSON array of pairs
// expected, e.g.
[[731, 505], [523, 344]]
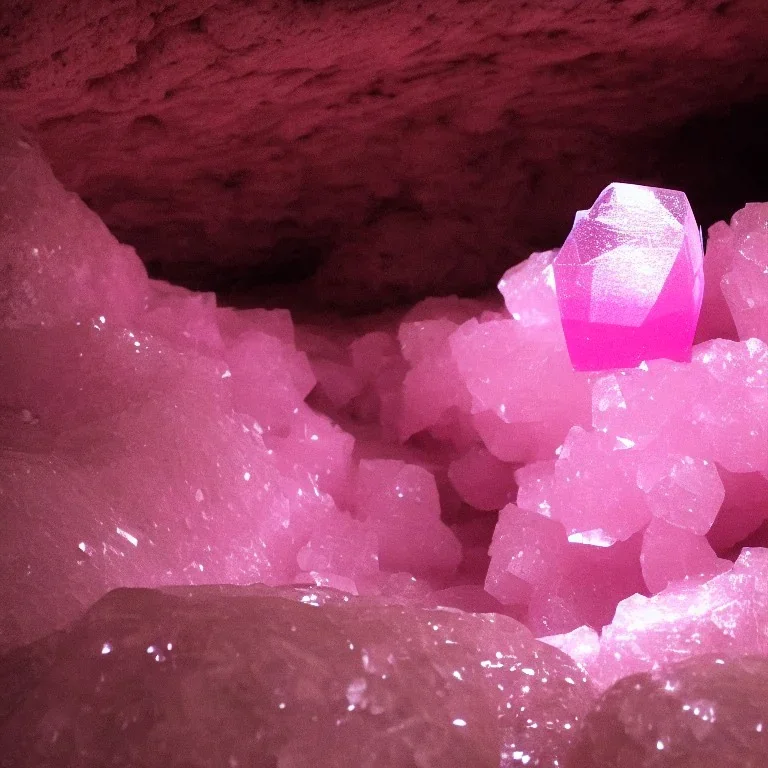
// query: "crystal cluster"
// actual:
[[445, 456]]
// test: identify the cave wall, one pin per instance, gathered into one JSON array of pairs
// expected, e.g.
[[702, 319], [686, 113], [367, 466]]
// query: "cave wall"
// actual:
[[365, 152]]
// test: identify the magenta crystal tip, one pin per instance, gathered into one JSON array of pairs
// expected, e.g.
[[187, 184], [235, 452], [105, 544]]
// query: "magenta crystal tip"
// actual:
[[630, 280]]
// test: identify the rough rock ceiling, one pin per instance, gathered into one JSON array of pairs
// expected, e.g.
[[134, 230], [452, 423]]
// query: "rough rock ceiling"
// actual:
[[381, 150]]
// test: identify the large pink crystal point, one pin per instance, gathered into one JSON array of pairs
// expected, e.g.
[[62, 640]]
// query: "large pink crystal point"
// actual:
[[708, 711], [630, 279]]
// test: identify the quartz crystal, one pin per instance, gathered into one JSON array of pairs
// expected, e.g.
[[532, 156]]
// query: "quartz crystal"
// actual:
[[294, 677], [630, 279]]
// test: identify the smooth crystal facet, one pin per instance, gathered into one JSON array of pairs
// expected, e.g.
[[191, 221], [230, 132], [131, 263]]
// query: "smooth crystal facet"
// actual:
[[630, 279]]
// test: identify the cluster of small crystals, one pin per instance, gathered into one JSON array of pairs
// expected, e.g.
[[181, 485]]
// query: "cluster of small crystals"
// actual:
[[446, 456]]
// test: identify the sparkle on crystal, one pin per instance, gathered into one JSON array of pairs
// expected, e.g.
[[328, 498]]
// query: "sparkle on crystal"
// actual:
[[630, 279]]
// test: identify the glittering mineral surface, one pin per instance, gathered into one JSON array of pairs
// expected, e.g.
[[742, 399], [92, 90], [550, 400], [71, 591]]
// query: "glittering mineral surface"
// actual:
[[426, 465], [630, 278], [711, 710], [300, 677]]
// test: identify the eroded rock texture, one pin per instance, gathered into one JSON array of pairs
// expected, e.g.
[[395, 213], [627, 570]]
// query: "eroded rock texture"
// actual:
[[259, 677], [705, 711], [378, 150]]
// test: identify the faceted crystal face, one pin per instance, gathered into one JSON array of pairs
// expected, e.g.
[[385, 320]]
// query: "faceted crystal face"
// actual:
[[630, 279]]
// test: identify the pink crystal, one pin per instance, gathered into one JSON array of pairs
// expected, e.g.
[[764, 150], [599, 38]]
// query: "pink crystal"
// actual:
[[482, 480], [564, 583], [745, 283], [519, 375], [744, 508], [684, 491], [726, 614], [672, 554], [401, 502], [630, 279]]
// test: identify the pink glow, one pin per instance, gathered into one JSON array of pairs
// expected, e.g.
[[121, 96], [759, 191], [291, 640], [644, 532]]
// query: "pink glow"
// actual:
[[630, 279]]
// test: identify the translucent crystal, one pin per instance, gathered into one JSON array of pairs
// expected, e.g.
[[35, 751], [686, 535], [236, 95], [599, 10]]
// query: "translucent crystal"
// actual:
[[630, 279]]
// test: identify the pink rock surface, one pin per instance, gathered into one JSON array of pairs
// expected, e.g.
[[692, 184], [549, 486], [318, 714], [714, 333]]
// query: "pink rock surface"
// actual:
[[630, 279], [137, 472], [252, 676], [58, 260], [171, 441], [702, 712]]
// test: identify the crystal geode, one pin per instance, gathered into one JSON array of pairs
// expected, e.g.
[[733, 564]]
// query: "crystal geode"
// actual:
[[448, 456]]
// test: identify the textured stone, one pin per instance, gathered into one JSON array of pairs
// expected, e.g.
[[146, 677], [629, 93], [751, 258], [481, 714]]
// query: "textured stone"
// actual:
[[394, 149], [706, 711], [630, 279], [249, 676]]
